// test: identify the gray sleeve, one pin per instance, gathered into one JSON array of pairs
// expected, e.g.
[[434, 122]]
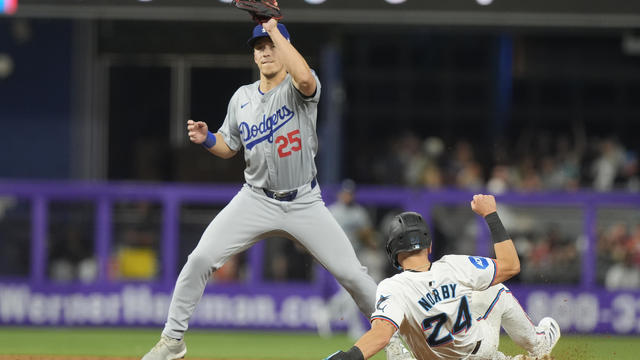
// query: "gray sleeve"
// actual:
[[300, 97], [229, 128]]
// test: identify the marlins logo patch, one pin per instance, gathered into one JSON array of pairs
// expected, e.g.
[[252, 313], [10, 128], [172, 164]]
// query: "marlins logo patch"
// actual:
[[380, 301], [479, 262]]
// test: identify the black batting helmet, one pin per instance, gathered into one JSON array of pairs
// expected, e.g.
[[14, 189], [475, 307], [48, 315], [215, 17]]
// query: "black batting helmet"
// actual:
[[408, 232]]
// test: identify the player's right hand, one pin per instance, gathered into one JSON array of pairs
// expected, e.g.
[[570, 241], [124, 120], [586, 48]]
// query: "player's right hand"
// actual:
[[197, 131], [483, 205]]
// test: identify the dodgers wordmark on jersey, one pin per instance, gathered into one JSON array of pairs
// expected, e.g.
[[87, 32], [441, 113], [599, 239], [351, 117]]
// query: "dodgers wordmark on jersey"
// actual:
[[278, 132], [439, 301]]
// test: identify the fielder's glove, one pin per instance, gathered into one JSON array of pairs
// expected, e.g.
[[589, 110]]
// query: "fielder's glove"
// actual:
[[261, 10]]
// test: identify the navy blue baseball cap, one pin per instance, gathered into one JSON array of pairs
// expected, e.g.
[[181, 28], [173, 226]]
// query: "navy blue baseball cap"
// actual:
[[260, 32]]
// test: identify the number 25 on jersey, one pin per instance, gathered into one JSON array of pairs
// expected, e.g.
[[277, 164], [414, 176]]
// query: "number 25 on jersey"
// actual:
[[286, 145]]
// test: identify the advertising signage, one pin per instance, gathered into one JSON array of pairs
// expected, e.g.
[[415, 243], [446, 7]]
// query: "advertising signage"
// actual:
[[577, 310]]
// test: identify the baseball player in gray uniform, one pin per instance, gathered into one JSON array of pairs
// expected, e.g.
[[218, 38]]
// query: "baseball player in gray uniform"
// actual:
[[452, 308], [274, 120]]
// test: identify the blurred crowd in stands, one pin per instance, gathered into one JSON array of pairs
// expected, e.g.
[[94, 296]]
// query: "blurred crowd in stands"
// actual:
[[550, 253], [619, 256], [536, 162]]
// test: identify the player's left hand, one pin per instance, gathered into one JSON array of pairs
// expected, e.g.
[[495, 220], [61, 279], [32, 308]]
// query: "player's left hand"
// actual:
[[270, 25], [260, 10]]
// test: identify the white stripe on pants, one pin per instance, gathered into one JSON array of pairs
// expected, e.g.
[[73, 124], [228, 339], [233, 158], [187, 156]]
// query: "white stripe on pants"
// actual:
[[497, 307]]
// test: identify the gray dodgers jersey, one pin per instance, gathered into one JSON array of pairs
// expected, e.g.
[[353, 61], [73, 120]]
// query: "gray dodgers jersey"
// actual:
[[278, 132], [439, 302]]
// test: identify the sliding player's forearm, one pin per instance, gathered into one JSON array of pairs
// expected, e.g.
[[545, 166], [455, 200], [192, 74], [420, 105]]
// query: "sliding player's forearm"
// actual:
[[507, 256], [507, 260]]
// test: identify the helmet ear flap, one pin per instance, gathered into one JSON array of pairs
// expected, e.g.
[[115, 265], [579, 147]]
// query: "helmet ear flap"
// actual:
[[392, 254]]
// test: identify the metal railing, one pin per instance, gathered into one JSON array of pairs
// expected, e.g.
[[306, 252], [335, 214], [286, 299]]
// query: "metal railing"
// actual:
[[171, 196]]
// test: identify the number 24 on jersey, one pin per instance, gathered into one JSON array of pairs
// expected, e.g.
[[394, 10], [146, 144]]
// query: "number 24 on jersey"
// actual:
[[435, 324]]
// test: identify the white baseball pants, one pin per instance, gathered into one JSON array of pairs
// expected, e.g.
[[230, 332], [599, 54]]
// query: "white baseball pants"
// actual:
[[497, 307]]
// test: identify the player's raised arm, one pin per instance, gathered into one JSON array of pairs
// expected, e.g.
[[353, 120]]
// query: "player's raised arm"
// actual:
[[507, 262], [295, 64], [199, 133]]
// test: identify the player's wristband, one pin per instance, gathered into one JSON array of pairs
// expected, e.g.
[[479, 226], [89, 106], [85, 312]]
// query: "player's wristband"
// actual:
[[354, 354], [498, 232], [210, 141]]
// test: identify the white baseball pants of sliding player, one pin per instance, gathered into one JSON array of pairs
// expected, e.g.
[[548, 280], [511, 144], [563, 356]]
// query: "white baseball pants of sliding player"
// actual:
[[497, 307], [246, 219]]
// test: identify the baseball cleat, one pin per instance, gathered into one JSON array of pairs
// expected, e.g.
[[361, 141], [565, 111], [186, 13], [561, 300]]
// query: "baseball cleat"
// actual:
[[167, 349], [551, 330]]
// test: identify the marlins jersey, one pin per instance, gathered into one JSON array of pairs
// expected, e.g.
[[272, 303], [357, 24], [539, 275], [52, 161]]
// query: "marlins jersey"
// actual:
[[278, 132], [439, 302]]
